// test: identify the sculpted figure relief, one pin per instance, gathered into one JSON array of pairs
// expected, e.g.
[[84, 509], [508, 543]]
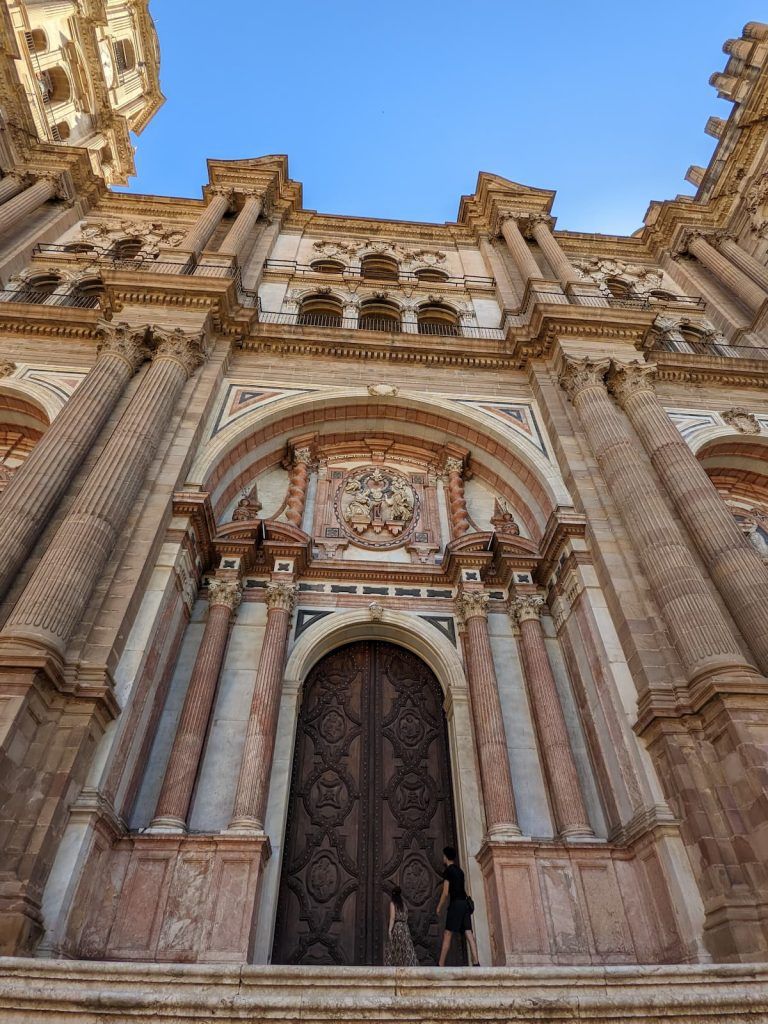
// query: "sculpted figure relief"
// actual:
[[376, 505]]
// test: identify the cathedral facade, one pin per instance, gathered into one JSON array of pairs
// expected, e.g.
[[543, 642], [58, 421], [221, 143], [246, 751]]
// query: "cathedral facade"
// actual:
[[329, 541]]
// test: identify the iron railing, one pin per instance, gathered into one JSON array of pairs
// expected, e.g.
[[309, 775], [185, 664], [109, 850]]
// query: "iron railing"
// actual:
[[380, 324], [295, 269], [187, 268], [31, 297]]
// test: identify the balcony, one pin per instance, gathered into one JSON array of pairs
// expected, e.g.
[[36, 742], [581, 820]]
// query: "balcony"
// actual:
[[290, 268], [382, 325], [30, 297], [682, 303]]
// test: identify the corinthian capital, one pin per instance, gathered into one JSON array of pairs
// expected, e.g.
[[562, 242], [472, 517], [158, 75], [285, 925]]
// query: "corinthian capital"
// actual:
[[454, 465], [471, 603], [579, 375], [526, 606], [281, 595], [302, 456], [628, 379], [225, 592], [121, 339], [186, 349]]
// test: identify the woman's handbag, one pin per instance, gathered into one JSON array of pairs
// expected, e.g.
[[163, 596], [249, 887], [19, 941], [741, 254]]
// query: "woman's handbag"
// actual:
[[470, 904]]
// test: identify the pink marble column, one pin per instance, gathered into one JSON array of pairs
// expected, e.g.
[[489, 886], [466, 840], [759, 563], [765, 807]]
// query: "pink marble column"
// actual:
[[571, 818], [701, 635], [297, 486], [487, 719], [184, 762], [734, 566], [256, 764], [198, 235], [22, 205], [50, 608], [237, 236], [751, 294], [38, 485], [519, 250], [457, 505]]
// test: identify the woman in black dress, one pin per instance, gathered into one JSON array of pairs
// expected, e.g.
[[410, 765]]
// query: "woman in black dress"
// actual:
[[459, 916]]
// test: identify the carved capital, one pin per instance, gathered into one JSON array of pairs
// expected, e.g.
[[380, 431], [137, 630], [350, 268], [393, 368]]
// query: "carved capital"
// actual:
[[225, 592], [281, 595], [526, 606], [628, 379], [454, 465], [579, 375], [303, 456], [186, 349], [472, 603], [742, 420], [121, 339], [222, 190]]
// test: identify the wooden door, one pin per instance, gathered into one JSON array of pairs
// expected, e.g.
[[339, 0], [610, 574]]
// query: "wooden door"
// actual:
[[370, 807]]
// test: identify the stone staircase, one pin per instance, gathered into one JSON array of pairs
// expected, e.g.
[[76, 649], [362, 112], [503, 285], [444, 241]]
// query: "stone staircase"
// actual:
[[80, 992]]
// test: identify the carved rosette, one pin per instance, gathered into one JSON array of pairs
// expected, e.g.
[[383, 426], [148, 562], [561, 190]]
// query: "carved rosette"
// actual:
[[123, 340], [472, 603], [526, 606], [281, 595], [628, 379], [177, 345], [580, 375], [741, 420], [227, 593]]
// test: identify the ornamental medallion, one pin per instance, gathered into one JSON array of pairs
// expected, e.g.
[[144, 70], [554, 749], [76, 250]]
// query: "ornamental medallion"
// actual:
[[376, 506]]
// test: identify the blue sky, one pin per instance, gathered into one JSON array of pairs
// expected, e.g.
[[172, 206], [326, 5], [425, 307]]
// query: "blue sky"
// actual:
[[391, 109]]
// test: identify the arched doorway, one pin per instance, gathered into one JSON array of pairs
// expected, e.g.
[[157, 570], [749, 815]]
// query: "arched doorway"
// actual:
[[370, 807]]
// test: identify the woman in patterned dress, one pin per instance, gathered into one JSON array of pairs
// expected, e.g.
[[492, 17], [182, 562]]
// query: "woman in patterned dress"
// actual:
[[398, 949]]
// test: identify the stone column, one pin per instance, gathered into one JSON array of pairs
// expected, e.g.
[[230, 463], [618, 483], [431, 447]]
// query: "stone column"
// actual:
[[457, 505], [571, 816], [237, 236], [26, 202], [518, 247], [183, 764], [255, 767], [734, 566], [565, 272], [48, 612], [38, 485], [197, 237], [744, 261], [488, 723], [730, 276], [10, 185], [698, 630], [297, 486]]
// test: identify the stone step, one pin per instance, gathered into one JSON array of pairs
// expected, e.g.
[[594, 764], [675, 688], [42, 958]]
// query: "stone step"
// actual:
[[84, 992]]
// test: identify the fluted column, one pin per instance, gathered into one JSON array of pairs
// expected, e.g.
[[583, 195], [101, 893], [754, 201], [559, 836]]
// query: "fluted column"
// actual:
[[58, 592], [564, 270], [297, 486], [10, 185], [457, 505], [183, 764], [26, 202], [729, 275], [734, 566], [744, 261], [237, 236], [38, 485], [256, 765], [487, 720], [571, 816], [700, 633], [519, 250], [197, 237]]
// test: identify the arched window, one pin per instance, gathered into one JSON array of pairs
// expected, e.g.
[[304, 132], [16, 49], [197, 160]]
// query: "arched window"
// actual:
[[22, 424], [328, 267], [126, 248], [55, 85], [437, 319], [618, 289], [379, 268], [88, 293], [321, 311], [125, 55], [38, 289], [379, 316], [37, 40], [431, 274]]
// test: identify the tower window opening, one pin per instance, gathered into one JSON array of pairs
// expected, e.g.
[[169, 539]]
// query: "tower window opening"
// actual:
[[379, 316], [379, 268], [437, 319], [321, 311]]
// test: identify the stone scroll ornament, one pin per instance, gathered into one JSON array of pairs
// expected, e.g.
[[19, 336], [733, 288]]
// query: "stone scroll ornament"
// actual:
[[376, 507]]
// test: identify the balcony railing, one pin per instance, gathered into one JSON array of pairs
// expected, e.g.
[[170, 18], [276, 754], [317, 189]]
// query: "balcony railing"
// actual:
[[187, 268], [682, 302], [29, 296], [383, 324], [294, 269]]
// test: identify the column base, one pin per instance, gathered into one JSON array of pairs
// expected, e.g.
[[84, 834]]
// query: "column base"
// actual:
[[166, 826], [245, 827]]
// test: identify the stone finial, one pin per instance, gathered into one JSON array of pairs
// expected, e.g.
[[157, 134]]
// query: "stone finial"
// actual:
[[471, 603], [627, 379], [225, 592], [7, 368], [122, 339], [281, 595], [742, 420], [526, 606], [176, 344], [383, 391], [503, 519], [579, 375], [376, 611]]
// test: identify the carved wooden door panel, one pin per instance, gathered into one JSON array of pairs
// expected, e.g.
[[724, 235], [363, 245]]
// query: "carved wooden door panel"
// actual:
[[370, 808]]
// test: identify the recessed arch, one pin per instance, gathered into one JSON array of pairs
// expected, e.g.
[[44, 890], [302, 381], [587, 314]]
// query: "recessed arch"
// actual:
[[22, 423]]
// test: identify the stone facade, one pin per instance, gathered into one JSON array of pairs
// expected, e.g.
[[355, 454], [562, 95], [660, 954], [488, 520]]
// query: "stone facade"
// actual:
[[249, 435]]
